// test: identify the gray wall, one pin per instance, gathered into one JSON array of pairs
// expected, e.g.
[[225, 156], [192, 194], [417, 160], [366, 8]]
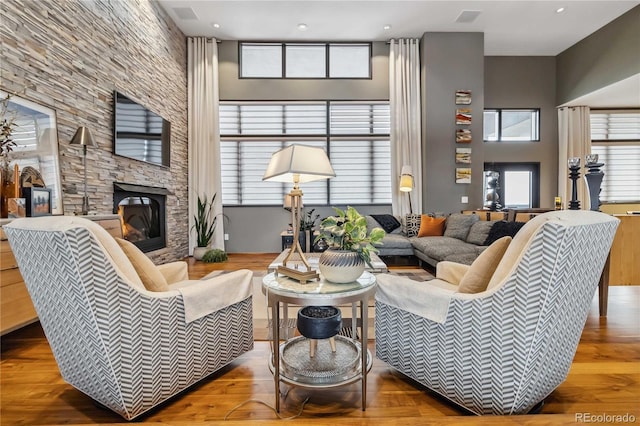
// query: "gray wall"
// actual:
[[526, 82], [71, 55], [450, 61], [234, 88], [257, 229], [605, 57]]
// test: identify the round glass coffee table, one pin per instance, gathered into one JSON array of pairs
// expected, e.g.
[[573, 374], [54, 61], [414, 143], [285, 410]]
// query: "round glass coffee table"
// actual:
[[290, 361]]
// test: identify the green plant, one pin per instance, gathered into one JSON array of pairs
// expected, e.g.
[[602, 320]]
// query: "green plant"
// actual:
[[205, 221], [348, 231], [308, 220], [7, 126], [214, 256]]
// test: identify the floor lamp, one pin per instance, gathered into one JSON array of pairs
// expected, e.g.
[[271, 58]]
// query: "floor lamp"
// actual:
[[298, 164], [406, 183], [84, 137]]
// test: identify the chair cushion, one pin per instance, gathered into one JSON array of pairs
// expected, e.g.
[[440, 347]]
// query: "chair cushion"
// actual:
[[151, 277], [431, 226], [458, 225], [481, 270]]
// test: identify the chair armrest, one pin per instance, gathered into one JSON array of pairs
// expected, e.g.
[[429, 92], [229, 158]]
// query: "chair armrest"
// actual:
[[451, 272], [201, 297], [174, 272]]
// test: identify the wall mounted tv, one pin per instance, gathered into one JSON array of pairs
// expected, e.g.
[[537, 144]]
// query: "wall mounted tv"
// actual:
[[140, 133]]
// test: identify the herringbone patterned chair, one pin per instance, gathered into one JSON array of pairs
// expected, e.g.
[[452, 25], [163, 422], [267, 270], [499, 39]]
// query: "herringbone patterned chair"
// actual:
[[127, 348], [504, 350]]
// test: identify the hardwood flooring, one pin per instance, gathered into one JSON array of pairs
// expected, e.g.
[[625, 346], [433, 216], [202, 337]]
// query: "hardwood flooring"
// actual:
[[604, 380]]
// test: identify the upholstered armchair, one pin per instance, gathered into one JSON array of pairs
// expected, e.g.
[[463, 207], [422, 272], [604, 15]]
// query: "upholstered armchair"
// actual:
[[127, 347], [505, 348]]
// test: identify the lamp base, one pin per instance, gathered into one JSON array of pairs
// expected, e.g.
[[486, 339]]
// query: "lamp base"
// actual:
[[298, 275]]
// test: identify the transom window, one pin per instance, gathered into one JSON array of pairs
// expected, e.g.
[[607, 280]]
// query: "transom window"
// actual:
[[615, 137], [355, 136], [509, 125], [305, 60]]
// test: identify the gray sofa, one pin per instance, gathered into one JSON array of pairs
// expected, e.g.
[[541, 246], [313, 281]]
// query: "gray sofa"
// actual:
[[462, 242]]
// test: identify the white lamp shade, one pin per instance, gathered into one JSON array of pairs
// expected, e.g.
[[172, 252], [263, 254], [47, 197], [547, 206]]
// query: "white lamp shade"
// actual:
[[406, 179], [307, 163]]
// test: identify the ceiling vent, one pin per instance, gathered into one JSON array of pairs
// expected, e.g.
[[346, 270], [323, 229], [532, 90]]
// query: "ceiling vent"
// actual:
[[185, 13], [468, 16]]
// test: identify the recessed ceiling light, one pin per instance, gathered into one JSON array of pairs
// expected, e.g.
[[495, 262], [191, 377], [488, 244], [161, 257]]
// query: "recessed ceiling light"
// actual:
[[215, 25], [387, 27], [560, 10], [302, 27]]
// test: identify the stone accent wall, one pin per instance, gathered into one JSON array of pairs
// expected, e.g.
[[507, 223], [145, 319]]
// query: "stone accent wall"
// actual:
[[71, 55]]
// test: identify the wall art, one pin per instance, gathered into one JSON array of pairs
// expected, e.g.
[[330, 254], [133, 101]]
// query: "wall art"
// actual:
[[463, 116], [463, 175], [463, 97], [463, 155], [463, 136]]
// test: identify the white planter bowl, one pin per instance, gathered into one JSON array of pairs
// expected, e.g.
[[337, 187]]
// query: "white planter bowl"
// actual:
[[341, 266]]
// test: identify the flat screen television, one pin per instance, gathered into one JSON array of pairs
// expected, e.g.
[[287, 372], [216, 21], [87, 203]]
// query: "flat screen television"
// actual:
[[140, 133]]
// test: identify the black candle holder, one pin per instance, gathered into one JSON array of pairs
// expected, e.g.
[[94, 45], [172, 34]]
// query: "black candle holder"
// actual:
[[574, 175]]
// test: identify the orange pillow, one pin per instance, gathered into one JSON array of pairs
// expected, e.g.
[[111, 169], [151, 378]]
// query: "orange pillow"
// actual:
[[431, 226]]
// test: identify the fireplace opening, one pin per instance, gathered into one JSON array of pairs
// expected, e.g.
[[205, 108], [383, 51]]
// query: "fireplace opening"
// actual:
[[142, 209]]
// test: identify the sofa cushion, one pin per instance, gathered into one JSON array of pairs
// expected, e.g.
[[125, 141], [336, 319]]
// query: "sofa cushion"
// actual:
[[438, 248], [151, 277], [458, 225], [479, 232], [502, 228], [387, 222], [476, 279], [395, 241], [431, 226]]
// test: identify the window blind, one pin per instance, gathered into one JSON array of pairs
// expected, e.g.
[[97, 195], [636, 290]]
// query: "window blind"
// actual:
[[615, 136], [355, 136]]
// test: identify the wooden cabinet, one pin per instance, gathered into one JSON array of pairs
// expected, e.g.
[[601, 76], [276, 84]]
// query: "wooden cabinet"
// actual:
[[16, 309], [624, 260]]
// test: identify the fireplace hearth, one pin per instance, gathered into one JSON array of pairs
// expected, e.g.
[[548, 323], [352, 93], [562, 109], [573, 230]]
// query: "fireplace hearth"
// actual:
[[143, 212]]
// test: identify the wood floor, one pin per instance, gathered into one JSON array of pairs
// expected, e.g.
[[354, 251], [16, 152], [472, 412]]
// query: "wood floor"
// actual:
[[604, 380]]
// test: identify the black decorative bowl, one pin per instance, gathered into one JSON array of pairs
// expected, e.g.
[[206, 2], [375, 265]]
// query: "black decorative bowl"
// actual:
[[319, 322]]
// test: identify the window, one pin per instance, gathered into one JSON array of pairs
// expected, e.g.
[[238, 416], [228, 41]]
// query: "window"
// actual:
[[354, 134], [305, 60], [518, 184], [508, 125], [615, 137]]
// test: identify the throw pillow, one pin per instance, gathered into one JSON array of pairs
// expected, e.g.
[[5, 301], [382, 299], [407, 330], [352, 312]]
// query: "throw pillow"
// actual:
[[458, 225], [479, 232], [387, 222], [502, 228], [431, 226], [412, 224], [148, 272], [481, 270]]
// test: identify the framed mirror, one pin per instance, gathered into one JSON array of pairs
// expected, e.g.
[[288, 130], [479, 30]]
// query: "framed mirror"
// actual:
[[35, 135]]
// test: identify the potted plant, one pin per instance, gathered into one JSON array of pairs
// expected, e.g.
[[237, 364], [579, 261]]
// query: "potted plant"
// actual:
[[205, 225], [307, 226], [349, 245]]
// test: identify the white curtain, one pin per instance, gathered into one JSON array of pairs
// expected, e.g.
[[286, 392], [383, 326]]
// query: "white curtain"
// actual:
[[203, 133], [574, 140], [406, 139]]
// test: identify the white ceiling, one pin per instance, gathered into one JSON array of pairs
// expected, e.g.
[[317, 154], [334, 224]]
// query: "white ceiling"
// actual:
[[511, 28]]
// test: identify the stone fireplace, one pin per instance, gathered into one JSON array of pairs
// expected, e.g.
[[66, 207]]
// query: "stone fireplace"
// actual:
[[143, 212]]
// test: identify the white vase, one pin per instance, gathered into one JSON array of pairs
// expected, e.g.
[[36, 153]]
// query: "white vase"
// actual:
[[341, 266], [198, 252]]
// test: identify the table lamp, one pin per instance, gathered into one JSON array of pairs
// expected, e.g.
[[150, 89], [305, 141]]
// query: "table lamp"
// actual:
[[83, 137], [406, 183], [298, 164]]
